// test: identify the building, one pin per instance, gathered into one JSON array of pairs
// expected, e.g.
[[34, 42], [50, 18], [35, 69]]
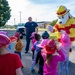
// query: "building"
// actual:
[[43, 24]]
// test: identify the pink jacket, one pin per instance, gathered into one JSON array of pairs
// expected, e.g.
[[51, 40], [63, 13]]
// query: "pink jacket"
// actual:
[[51, 69], [33, 41], [65, 50]]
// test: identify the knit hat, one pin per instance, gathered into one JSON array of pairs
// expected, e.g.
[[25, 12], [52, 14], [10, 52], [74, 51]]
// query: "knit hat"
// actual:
[[51, 47], [45, 35], [43, 43], [4, 40], [65, 39], [61, 10]]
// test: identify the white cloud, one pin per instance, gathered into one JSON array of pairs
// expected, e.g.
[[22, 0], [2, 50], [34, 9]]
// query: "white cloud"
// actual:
[[41, 12]]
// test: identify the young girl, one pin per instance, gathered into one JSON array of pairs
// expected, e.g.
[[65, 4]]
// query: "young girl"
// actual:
[[18, 45], [45, 37], [65, 45], [51, 58], [10, 64], [33, 41], [37, 49]]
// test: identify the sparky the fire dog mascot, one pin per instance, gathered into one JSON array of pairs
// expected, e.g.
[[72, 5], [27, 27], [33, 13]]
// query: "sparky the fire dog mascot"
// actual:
[[65, 22]]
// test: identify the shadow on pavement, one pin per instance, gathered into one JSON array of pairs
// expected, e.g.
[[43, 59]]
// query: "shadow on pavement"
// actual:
[[71, 68]]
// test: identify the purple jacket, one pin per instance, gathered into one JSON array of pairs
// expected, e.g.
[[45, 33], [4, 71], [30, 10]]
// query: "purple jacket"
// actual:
[[51, 69]]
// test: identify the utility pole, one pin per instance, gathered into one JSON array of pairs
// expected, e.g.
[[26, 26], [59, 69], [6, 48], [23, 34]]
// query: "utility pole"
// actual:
[[14, 21], [20, 16], [36, 19]]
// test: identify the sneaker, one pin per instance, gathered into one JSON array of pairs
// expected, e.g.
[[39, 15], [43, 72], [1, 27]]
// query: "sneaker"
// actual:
[[26, 52], [38, 72], [32, 70]]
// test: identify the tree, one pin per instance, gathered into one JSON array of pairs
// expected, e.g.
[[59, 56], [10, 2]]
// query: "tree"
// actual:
[[4, 12], [53, 22]]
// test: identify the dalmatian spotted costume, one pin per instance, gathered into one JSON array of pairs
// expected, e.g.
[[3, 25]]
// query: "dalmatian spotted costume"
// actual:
[[65, 22]]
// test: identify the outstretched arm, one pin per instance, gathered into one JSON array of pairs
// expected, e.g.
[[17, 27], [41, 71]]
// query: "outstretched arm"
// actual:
[[19, 71], [36, 29]]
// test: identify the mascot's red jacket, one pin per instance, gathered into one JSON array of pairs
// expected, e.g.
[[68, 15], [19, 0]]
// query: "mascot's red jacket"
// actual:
[[69, 27]]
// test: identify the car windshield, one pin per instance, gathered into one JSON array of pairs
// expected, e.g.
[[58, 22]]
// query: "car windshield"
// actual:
[[21, 24]]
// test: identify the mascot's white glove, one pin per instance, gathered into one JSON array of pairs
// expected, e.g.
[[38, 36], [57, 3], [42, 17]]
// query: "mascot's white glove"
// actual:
[[50, 28], [62, 31]]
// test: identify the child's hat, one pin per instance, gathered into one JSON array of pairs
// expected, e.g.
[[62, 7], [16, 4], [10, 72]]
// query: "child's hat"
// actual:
[[45, 34], [4, 40], [33, 35], [65, 39], [62, 10], [17, 34], [51, 47], [13, 38], [43, 43], [3, 32]]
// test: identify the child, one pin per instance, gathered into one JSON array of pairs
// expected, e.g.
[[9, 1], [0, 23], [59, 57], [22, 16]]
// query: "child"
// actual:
[[13, 38], [51, 58], [10, 64], [65, 45], [45, 37], [33, 41], [18, 45], [37, 49]]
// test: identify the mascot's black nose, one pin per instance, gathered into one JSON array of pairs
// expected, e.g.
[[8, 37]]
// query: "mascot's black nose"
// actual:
[[60, 22]]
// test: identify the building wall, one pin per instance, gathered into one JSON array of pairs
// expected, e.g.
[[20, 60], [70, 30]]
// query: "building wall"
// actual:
[[42, 24]]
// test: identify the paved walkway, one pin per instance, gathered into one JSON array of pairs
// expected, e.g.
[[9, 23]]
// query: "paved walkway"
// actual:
[[26, 58]]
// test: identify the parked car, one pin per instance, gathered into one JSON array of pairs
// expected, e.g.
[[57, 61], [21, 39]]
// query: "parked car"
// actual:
[[21, 31], [20, 25]]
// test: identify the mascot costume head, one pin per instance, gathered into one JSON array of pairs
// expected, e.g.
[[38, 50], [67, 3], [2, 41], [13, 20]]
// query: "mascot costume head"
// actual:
[[65, 23]]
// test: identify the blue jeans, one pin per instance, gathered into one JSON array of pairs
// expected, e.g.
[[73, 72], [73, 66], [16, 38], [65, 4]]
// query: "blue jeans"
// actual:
[[10, 47], [19, 53], [27, 43], [64, 66], [40, 70]]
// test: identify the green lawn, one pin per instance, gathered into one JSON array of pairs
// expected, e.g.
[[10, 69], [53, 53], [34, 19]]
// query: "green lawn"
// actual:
[[42, 29], [53, 36]]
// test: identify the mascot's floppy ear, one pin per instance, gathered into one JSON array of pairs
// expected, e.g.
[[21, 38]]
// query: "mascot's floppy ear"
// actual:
[[70, 14]]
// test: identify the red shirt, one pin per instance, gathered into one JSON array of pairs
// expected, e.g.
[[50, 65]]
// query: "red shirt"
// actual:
[[9, 63]]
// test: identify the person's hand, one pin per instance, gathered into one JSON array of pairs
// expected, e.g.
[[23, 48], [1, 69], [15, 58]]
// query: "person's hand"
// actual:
[[58, 48], [25, 32], [50, 28], [23, 46], [62, 31]]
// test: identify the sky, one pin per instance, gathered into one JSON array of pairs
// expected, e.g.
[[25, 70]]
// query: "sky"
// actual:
[[39, 10]]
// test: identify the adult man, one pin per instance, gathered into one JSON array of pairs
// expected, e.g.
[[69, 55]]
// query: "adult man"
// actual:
[[30, 27]]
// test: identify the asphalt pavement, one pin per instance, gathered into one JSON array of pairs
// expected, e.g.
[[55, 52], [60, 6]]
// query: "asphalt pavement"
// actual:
[[27, 60]]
